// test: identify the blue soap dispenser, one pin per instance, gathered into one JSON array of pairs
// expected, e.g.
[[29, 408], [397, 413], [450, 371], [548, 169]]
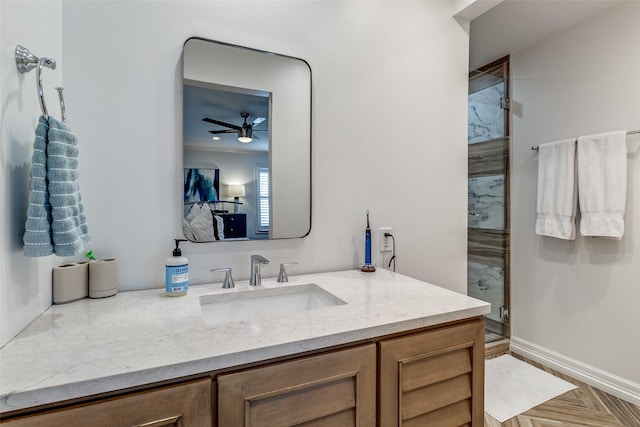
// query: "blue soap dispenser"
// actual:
[[177, 272]]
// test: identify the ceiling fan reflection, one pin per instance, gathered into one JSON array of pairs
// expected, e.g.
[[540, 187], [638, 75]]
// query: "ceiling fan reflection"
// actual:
[[245, 132]]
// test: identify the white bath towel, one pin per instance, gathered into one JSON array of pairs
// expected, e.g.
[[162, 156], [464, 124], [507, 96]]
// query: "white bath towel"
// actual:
[[557, 192], [602, 184]]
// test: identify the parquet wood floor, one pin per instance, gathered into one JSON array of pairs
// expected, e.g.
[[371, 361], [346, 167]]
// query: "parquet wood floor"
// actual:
[[584, 407]]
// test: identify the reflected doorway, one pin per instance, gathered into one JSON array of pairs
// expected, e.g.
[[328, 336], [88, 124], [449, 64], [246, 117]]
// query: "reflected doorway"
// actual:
[[488, 194]]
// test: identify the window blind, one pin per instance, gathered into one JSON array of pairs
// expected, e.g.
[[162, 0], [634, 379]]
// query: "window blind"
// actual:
[[263, 199]]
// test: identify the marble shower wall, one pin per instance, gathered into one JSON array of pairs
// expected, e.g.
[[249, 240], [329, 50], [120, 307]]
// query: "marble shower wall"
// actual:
[[486, 117], [486, 202], [486, 283]]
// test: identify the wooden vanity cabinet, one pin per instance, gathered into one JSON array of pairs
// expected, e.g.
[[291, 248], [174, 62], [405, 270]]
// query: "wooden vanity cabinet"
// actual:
[[429, 378], [184, 405], [434, 378], [332, 389]]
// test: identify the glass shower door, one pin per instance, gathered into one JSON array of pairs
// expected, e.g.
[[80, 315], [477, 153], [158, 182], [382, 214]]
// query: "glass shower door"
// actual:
[[488, 186]]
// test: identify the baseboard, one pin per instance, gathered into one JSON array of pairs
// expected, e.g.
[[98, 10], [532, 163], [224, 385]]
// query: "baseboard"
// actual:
[[605, 381]]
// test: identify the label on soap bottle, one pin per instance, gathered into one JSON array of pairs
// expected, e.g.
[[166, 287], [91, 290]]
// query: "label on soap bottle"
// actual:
[[177, 278]]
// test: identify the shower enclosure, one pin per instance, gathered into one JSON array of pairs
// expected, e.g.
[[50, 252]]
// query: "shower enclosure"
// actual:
[[488, 194]]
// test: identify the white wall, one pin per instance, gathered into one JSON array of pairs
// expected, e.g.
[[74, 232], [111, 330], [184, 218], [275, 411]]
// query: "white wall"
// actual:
[[578, 301], [25, 283], [380, 69]]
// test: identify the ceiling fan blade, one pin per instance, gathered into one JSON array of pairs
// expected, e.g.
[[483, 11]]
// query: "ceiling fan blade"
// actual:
[[219, 123], [216, 132]]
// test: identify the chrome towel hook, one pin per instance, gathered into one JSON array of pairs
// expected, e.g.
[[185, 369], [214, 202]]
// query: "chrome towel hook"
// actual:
[[26, 61]]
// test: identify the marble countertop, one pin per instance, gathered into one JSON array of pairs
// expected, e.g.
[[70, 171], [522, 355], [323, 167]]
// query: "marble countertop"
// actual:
[[94, 346]]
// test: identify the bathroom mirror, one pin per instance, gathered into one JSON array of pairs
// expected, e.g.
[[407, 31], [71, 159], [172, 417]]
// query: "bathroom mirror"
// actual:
[[246, 143]]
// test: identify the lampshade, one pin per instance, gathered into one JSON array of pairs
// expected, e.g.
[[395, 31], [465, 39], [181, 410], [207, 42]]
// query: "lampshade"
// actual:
[[235, 190]]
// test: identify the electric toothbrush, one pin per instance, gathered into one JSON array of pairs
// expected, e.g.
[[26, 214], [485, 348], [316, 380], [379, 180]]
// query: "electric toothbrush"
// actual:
[[368, 266]]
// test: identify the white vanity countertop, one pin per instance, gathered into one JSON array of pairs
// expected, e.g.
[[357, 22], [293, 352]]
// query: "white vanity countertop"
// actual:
[[134, 338]]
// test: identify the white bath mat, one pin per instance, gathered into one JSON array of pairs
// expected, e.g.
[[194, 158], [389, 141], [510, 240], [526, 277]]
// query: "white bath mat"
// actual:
[[512, 387]]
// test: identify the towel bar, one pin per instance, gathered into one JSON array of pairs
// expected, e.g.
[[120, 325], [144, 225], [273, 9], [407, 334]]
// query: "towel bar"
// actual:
[[631, 132]]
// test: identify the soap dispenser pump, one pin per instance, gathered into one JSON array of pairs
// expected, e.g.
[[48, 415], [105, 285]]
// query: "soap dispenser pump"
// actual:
[[177, 272]]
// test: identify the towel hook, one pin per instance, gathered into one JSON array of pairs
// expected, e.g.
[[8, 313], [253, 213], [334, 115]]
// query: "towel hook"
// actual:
[[27, 61]]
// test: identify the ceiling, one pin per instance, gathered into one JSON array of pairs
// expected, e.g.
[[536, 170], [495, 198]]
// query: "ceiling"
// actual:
[[203, 100], [513, 25]]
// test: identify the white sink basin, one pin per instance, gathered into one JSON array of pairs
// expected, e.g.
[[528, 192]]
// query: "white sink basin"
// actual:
[[257, 303]]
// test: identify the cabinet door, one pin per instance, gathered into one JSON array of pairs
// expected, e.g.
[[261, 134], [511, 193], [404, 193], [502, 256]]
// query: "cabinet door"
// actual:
[[434, 378], [334, 389], [185, 405]]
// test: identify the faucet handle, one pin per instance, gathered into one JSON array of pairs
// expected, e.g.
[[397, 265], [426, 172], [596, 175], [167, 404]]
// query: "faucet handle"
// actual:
[[282, 275], [228, 278]]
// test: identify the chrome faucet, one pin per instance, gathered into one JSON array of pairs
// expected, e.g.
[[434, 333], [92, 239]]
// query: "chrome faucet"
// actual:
[[256, 262]]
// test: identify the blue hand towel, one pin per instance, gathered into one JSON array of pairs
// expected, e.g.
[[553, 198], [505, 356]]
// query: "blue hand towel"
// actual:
[[69, 230], [37, 235]]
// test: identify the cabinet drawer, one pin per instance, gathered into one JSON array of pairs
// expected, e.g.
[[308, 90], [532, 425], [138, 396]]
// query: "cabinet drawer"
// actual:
[[334, 389], [434, 378], [184, 405]]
